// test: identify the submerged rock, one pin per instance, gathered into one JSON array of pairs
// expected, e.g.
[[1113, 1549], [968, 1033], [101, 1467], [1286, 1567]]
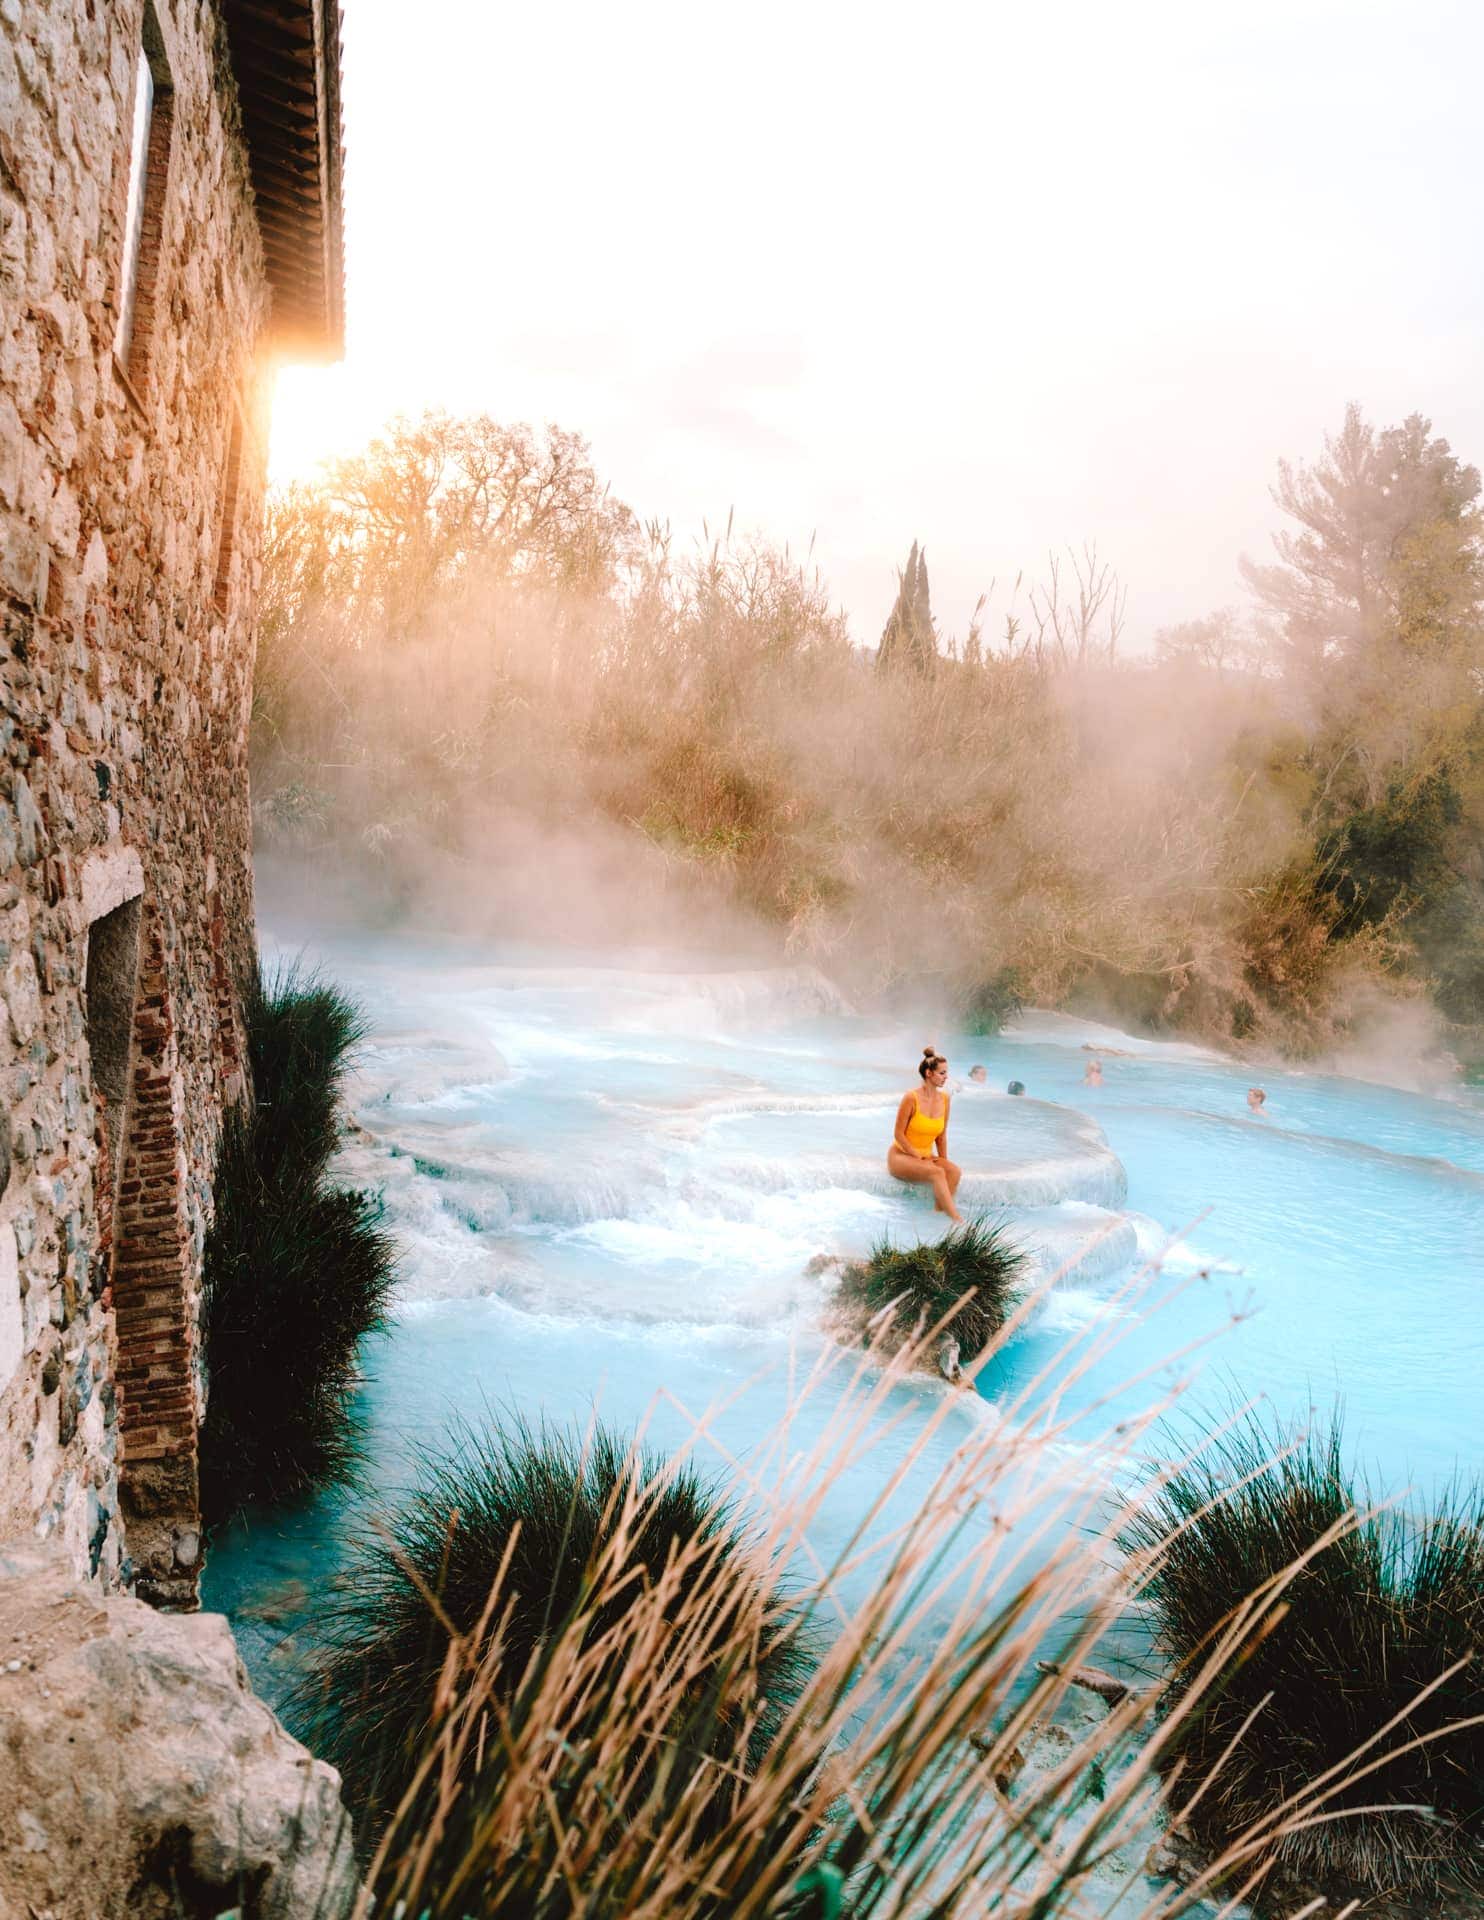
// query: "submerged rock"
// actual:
[[143, 1778]]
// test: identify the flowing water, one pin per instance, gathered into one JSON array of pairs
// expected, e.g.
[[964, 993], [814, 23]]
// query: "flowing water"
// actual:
[[609, 1183]]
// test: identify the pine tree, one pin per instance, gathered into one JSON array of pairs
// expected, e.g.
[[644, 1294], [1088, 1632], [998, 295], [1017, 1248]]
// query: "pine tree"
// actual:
[[1377, 611], [1388, 552]]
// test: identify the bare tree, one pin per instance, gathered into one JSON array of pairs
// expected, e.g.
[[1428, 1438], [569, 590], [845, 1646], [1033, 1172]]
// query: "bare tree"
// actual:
[[1218, 642], [433, 498], [1077, 616]]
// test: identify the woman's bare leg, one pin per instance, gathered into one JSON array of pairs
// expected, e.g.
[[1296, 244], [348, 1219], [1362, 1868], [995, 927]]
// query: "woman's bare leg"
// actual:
[[906, 1166]]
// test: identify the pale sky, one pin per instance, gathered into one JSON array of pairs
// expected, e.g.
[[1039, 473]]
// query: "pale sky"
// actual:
[[995, 277]]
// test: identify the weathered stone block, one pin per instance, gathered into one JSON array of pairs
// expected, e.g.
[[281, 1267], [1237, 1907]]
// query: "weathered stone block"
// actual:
[[12, 1318], [30, 829], [137, 1755]]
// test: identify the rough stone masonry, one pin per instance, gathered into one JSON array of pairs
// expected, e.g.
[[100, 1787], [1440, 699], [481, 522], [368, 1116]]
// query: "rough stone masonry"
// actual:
[[169, 225]]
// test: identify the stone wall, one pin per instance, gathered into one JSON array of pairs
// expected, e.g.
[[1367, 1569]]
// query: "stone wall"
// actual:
[[130, 502]]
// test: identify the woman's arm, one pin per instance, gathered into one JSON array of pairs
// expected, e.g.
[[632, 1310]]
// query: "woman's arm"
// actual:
[[941, 1143], [899, 1132]]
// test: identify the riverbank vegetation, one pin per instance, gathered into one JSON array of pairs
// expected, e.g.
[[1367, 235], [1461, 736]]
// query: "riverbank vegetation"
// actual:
[[630, 1714], [480, 675], [297, 1269], [521, 1547], [570, 1679], [954, 1293], [1301, 1628]]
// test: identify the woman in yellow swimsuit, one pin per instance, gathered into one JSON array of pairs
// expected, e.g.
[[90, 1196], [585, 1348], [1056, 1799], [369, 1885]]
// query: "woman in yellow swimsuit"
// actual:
[[919, 1143]]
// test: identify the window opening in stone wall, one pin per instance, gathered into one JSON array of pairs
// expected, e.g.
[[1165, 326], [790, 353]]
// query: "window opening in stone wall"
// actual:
[[149, 172], [112, 982], [226, 544]]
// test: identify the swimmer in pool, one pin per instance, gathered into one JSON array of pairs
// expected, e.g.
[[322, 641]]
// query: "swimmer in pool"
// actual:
[[1016, 1087], [1256, 1099], [1094, 1074], [919, 1143], [978, 1075]]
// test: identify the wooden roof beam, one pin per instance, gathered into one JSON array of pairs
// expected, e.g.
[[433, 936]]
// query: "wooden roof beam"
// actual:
[[286, 57]]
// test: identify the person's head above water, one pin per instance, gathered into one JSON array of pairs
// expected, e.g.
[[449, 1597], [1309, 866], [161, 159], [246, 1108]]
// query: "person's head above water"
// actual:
[[1016, 1086], [1256, 1099], [977, 1073], [933, 1067]]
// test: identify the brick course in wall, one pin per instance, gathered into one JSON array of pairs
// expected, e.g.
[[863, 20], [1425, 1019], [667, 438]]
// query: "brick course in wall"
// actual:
[[154, 1287], [125, 688]]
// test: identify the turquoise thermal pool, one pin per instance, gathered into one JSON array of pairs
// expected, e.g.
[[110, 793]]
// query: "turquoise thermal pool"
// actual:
[[609, 1185]]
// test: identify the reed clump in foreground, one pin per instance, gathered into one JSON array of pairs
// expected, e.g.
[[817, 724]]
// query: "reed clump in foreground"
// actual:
[[957, 1290], [527, 1546], [626, 1760], [1303, 1628], [623, 1763], [297, 1269]]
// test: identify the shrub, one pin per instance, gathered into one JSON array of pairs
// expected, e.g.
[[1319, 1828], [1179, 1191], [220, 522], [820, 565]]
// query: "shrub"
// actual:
[[1321, 1661], [992, 1002], [485, 1566], [296, 1271], [963, 1281]]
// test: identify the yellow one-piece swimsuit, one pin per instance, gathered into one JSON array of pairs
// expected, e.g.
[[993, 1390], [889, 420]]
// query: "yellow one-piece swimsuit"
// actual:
[[923, 1130]]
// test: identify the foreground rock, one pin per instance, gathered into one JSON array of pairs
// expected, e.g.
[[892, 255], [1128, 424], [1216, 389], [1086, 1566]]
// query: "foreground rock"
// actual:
[[142, 1777]]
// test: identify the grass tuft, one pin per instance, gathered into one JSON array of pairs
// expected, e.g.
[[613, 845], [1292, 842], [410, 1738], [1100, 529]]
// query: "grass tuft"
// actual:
[[965, 1281], [1327, 1656], [519, 1540], [297, 1270]]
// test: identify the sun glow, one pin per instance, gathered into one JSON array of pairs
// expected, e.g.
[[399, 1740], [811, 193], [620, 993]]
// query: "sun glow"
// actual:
[[318, 413]]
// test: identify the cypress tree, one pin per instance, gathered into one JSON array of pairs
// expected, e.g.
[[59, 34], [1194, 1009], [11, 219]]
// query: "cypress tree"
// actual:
[[908, 639]]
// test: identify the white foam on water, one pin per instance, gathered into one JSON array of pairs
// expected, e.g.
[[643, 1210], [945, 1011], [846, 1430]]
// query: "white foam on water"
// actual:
[[1072, 1030], [1075, 1241], [780, 1232], [1174, 1253], [1093, 1176], [691, 1000], [700, 1117], [1072, 1309]]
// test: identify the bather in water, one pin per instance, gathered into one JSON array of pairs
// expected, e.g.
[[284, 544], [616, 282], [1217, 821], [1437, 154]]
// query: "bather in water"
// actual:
[[919, 1146]]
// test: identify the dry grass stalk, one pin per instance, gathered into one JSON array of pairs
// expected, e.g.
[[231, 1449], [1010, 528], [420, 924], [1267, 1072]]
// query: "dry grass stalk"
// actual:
[[619, 1772]]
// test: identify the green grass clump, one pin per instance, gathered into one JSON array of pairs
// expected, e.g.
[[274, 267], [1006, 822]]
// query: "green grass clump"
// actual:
[[989, 1004], [297, 1270], [1340, 1650], [966, 1281], [522, 1541]]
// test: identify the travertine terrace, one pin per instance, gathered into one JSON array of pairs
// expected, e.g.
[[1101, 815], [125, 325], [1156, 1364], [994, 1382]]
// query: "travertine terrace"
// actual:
[[169, 227]]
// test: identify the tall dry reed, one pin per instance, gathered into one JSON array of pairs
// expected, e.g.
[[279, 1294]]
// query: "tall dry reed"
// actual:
[[940, 1758]]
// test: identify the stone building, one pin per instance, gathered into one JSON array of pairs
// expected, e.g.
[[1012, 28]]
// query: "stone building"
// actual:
[[170, 226]]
